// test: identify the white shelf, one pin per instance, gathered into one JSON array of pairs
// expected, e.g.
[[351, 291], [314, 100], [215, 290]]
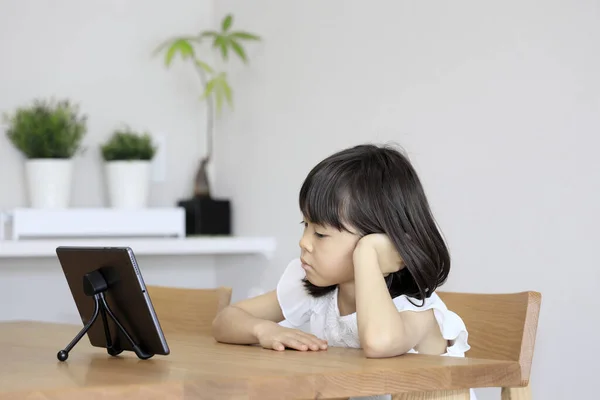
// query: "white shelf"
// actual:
[[152, 247], [32, 223]]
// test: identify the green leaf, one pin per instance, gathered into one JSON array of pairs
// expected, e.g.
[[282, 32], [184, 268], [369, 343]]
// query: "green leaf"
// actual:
[[219, 100], [209, 89], [209, 34], [220, 89], [182, 46], [161, 47], [238, 49], [47, 128], [127, 144], [172, 41], [222, 43], [227, 22], [204, 66], [244, 36], [224, 50], [227, 92], [223, 91]]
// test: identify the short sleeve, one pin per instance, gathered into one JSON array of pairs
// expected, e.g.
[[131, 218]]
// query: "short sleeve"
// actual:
[[452, 327], [294, 300]]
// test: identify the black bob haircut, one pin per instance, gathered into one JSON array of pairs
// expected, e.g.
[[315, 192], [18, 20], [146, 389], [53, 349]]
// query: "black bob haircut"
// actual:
[[375, 189]]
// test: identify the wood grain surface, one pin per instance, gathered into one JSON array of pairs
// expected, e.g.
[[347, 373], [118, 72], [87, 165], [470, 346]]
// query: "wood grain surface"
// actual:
[[200, 368]]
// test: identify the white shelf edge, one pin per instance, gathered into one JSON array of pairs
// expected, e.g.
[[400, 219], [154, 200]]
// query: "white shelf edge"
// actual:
[[145, 247]]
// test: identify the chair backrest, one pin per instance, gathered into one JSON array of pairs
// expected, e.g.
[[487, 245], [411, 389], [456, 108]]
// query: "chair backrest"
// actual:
[[188, 311], [500, 326]]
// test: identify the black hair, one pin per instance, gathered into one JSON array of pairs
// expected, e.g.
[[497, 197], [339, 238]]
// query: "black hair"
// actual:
[[376, 190]]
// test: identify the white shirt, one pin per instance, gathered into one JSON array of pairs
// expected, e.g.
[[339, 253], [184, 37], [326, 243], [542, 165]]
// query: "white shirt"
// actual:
[[323, 316]]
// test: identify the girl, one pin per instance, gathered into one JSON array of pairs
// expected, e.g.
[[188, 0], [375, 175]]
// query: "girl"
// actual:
[[371, 258]]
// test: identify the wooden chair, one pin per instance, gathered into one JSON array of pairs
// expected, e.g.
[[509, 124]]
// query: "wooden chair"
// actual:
[[188, 311], [501, 327]]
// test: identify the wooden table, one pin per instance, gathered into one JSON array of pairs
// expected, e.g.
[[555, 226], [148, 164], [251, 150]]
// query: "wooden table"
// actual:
[[200, 368]]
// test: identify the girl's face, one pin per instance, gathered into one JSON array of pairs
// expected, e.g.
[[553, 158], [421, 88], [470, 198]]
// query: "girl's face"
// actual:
[[326, 254]]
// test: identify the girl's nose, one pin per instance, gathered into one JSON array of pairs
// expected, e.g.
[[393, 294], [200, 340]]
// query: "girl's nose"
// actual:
[[305, 244]]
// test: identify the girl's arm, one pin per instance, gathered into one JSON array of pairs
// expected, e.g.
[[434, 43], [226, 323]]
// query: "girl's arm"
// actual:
[[382, 330], [240, 323], [255, 321]]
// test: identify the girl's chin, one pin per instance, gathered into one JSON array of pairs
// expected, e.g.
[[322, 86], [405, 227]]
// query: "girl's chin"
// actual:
[[317, 282]]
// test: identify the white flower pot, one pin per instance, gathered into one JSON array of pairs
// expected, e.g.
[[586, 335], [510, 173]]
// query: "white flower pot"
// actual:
[[49, 182], [128, 183]]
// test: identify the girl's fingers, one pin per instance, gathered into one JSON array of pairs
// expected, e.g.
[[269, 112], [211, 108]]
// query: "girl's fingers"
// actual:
[[278, 346], [295, 344], [313, 340], [313, 343], [298, 340]]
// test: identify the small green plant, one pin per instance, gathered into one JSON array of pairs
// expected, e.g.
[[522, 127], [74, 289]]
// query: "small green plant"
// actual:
[[46, 129], [128, 145], [215, 86]]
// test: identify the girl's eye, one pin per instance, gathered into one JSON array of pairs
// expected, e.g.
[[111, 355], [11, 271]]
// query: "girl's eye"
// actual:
[[317, 234]]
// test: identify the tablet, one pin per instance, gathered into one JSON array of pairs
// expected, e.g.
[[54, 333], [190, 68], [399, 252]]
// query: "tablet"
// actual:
[[125, 296]]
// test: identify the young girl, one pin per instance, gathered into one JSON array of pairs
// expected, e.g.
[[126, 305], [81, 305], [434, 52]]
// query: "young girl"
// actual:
[[371, 258]]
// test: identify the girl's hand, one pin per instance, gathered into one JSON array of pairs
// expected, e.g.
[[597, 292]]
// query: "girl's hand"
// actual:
[[271, 335], [388, 258]]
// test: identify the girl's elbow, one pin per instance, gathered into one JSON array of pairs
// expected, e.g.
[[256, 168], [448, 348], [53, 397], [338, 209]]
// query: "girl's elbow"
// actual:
[[216, 329], [371, 352], [383, 347], [379, 350], [218, 325]]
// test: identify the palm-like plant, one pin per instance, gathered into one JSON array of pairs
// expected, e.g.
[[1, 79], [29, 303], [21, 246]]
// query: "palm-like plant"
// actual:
[[216, 89]]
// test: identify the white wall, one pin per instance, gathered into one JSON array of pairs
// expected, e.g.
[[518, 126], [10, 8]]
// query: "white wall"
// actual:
[[498, 105]]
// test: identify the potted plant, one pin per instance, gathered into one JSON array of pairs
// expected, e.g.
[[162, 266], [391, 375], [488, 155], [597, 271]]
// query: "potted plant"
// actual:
[[215, 87], [206, 215], [127, 156], [48, 133]]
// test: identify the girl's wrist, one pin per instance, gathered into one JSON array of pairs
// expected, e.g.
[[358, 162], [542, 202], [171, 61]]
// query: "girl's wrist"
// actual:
[[379, 250], [364, 254], [260, 326]]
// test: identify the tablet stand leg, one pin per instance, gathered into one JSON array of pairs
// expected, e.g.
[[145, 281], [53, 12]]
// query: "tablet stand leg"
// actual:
[[95, 285]]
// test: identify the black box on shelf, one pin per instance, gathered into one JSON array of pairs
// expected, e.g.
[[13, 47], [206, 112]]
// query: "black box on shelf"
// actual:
[[206, 216]]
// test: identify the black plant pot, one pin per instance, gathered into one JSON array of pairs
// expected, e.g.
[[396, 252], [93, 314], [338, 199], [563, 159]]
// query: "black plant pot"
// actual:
[[206, 216]]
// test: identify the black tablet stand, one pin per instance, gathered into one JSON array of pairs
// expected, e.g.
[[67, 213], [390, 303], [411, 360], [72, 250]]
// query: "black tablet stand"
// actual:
[[95, 285]]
